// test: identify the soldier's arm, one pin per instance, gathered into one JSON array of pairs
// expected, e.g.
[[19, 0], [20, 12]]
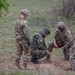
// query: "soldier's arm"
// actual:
[[26, 31], [56, 35], [69, 35], [45, 45], [41, 43]]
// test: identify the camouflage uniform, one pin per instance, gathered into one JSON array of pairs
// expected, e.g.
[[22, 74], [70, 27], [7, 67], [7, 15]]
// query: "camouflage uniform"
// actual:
[[71, 51], [22, 39], [61, 38], [38, 46], [72, 61]]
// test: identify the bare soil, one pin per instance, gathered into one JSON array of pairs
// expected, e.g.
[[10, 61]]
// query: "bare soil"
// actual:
[[57, 67]]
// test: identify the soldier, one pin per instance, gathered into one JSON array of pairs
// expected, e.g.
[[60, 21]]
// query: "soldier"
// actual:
[[70, 46], [61, 38], [38, 46], [72, 61], [22, 38]]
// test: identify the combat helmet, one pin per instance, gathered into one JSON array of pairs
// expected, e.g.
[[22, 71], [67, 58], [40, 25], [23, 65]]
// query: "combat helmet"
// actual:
[[25, 11], [61, 26], [46, 31]]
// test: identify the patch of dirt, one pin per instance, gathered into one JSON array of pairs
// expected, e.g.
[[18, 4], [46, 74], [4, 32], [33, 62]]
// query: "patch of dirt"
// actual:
[[57, 67]]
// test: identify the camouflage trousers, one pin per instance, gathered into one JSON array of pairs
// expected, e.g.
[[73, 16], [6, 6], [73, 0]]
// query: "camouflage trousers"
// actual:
[[22, 47], [38, 53], [65, 50], [72, 60]]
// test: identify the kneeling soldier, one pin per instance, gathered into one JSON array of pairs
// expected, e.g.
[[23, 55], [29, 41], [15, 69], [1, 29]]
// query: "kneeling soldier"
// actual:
[[38, 46]]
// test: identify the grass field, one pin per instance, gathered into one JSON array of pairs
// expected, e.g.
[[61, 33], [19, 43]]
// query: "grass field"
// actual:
[[7, 20], [40, 17]]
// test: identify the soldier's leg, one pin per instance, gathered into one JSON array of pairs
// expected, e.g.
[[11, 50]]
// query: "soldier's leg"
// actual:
[[72, 64], [66, 53], [26, 51], [41, 54], [18, 54], [37, 54], [66, 50], [34, 57], [72, 60], [50, 48]]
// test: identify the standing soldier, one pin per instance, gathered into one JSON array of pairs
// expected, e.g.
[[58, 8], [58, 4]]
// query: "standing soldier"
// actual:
[[38, 46], [22, 38], [61, 38]]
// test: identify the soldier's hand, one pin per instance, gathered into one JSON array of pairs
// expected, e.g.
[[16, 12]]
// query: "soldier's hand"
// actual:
[[62, 48], [48, 53]]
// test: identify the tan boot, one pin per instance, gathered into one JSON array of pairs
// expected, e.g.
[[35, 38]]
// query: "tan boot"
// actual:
[[17, 65], [25, 65]]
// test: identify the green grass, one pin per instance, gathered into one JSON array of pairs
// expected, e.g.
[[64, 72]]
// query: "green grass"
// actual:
[[40, 12], [19, 72], [36, 8]]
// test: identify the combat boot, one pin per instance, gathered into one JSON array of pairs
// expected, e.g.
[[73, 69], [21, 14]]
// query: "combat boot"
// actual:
[[34, 60], [17, 64], [25, 65]]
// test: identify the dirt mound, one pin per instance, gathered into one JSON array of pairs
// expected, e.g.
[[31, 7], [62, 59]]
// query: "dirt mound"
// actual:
[[55, 68]]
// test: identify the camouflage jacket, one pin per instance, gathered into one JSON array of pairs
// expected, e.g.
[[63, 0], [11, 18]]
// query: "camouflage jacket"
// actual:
[[71, 45], [22, 29], [62, 37], [38, 42]]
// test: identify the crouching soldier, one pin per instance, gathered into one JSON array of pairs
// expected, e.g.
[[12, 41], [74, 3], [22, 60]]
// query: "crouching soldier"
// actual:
[[38, 46], [61, 38], [22, 38]]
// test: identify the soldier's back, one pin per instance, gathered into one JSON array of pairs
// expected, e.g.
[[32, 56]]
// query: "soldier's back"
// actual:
[[34, 43], [18, 25]]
